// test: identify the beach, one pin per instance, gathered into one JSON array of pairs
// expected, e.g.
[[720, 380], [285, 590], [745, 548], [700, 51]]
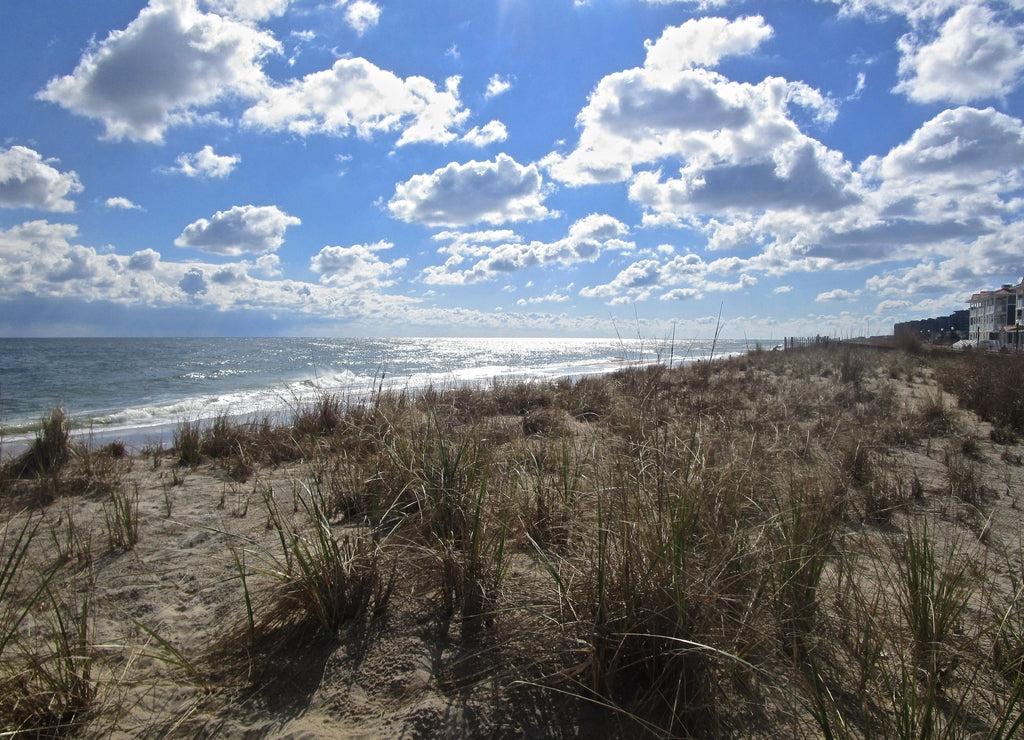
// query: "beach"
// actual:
[[823, 541]]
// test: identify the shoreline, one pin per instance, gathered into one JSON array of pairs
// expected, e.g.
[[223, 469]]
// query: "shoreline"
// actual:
[[160, 433]]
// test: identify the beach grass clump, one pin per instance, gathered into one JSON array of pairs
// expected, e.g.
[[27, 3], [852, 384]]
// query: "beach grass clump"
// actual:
[[95, 472], [49, 451], [991, 385], [587, 398], [321, 417], [448, 473], [121, 515], [660, 592], [46, 687], [801, 535], [187, 441], [320, 577], [46, 653], [934, 589]]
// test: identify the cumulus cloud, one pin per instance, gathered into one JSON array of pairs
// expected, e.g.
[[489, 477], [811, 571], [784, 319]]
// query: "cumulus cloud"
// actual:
[[206, 163], [915, 10], [42, 260], [193, 283], [255, 10], [361, 15], [240, 230], [683, 277], [268, 265], [484, 255], [491, 133], [974, 57], [956, 178], [732, 234], [168, 65], [738, 164], [494, 192], [701, 4], [145, 260], [964, 143], [497, 85], [837, 295], [640, 275], [29, 181], [802, 176], [728, 159], [704, 41], [122, 204], [552, 297], [355, 96], [681, 294], [231, 275], [644, 115], [357, 266]]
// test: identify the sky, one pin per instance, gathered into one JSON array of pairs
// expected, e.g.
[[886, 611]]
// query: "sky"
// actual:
[[506, 167]]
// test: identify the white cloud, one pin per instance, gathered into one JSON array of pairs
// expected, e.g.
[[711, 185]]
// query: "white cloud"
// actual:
[[269, 265], [494, 192], [701, 4], [733, 234], [739, 155], [647, 278], [240, 230], [597, 226], [41, 260], [635, 283], [702, 152], [955, 179], [121, 203], [29, 181], [355, 96], [193, 282], [552, 297], [168, 65], [802, 175], [915, 10], [145, 260], [206, 163], [361, 15], [681, 294], [255, 10], [965, 144], [643, 116], [497, 85], [705, 41], [837, 295], [500, 252], [491, 133], [356, 267], [974, 57]]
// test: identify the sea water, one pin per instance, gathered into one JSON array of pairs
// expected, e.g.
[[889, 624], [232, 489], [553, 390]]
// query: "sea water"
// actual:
[[139, 389]]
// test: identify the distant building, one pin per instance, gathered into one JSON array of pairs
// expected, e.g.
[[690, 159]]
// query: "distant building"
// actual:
[[951, 328], [995, 316]]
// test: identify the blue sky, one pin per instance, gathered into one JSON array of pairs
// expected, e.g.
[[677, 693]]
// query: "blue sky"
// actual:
[[505, 167]]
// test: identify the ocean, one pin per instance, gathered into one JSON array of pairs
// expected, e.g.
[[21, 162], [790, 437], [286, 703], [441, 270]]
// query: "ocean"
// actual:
[[138, 390]]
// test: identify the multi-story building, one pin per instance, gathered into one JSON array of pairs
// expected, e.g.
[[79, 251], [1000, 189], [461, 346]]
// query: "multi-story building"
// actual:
[[996, 315]]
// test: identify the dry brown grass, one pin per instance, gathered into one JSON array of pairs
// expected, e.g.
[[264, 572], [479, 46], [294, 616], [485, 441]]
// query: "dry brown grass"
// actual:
[[818, 542]]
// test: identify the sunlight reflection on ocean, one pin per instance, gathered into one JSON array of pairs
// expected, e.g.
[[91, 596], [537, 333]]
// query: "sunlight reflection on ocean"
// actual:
[[138, 388]]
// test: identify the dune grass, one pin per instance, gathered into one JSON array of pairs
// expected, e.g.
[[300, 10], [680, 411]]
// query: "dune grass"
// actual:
[[778, 544]]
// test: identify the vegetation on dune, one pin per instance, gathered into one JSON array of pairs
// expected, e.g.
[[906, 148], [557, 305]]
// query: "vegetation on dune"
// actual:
[[819, 542]]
